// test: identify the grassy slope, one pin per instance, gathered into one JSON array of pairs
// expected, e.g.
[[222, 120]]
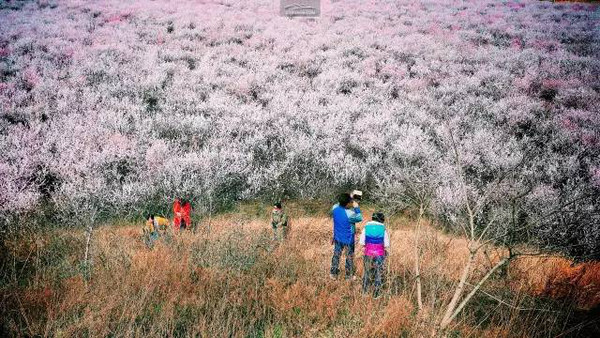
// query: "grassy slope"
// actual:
[[231, 280]]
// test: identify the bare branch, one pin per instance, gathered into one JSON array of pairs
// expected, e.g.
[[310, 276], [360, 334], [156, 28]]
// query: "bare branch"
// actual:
[[486, 228], [459, 170], [477, 287], [499, 300]]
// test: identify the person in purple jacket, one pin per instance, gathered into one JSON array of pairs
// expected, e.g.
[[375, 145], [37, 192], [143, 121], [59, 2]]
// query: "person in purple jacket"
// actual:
[[345, 214]]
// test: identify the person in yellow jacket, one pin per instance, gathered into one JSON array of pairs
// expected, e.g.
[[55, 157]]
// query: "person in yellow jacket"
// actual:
[[155, 225]]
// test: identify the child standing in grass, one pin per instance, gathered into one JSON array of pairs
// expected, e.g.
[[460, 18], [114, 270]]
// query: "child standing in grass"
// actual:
[[279, 220], [376, 240]]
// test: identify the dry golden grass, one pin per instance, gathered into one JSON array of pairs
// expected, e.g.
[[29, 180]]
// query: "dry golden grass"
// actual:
[[232, 281], [559, 278]]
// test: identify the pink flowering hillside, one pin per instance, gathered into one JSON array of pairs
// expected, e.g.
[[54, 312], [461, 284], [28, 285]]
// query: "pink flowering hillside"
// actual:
[[113, 108]]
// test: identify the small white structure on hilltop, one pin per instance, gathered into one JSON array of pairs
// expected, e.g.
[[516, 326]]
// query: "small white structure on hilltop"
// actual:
[[300, 7]]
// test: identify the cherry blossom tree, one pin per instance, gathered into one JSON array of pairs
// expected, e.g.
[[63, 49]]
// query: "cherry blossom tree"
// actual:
[[221, 101]]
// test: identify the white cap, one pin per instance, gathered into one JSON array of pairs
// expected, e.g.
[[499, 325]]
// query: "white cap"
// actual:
[[356, 193]]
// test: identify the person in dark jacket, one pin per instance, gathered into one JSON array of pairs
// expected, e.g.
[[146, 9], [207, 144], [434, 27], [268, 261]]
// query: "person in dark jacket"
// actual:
[[279, 220], [345, 215]]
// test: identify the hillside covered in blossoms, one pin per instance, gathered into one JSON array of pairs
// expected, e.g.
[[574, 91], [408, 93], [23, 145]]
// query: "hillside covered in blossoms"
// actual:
[[120, 106]]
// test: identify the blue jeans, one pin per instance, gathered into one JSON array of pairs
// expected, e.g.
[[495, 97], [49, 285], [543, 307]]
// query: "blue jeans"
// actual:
[[335, 260], [373, 273]]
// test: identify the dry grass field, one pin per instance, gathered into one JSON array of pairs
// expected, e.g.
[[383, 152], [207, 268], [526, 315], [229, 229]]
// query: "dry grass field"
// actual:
[[228, 279]]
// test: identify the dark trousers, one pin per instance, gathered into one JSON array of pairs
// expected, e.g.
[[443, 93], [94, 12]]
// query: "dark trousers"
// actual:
[[335, 260], [373, 273]]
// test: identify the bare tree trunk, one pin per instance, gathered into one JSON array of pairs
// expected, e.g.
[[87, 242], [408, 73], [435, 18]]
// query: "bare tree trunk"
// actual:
[[457, 292], [418, 258], [209, 210], [477, 287], [88, 241], [454, 307]]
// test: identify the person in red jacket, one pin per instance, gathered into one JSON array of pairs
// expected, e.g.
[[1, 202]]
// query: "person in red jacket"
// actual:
[[177, 214], [186, 210]]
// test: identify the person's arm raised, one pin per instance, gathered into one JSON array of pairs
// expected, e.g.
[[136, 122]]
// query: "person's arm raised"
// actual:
[[356, 216]]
